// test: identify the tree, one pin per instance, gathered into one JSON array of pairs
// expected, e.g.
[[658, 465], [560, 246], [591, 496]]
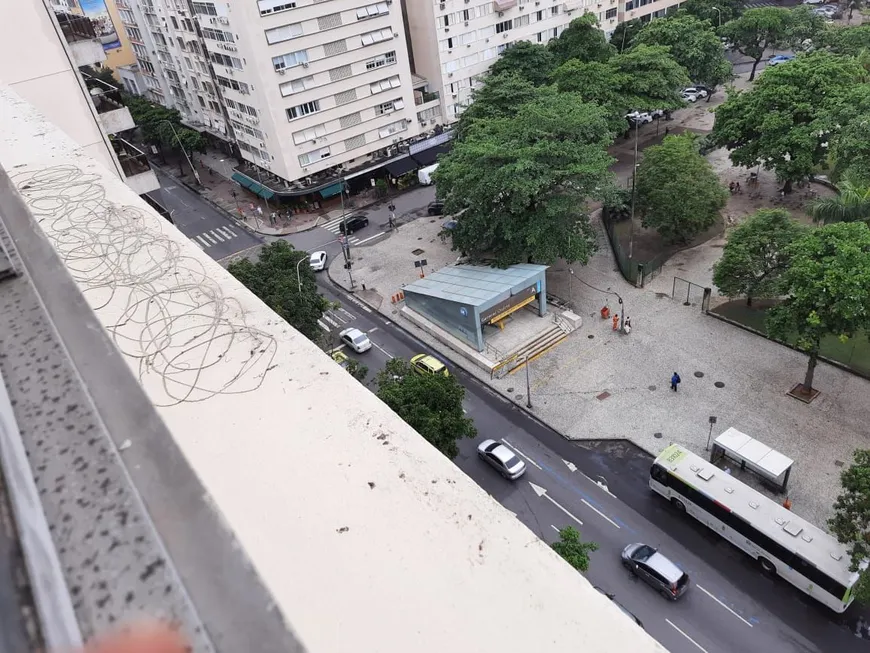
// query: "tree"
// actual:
[[756, 255], [851, 521], [430, 404], [675, 169], [273, 278], [693, 44], [846, 40], [760, 127], [572, 549], [528, 178], [849, 141], [717, 12], [756, 31], [804, 26], [624, 34], [828, 290], [851, 204], [499, 97], [583, 40], [357, 370], [531, 61]]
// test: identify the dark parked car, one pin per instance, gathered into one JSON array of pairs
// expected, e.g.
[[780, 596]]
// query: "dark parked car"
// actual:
[[353, 223], [435, 208]]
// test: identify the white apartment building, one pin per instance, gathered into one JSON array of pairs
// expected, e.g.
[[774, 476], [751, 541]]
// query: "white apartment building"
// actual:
[[455, 41]]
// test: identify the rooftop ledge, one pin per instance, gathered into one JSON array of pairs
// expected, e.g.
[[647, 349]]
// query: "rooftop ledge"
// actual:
[[266, 464]]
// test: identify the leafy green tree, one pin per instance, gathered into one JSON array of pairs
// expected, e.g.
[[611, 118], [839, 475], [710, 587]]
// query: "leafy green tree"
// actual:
[[275, 278], [849, 142], [675, 169], [573, 549], [529, 177], [846, 40], [756, 31], [583, 40], [717, 12], [693, 44], [499, 97], [851, 521], [851, 204], [357, 370], [756, 255], [431, 404], [624, 34], [760, 127], [804, 26], [531, 61], [828, 290]]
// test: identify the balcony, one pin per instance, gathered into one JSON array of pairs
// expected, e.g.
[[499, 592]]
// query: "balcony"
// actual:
[[113, 115], [425, 97], [503, 5], [84, 44], [137, 171]]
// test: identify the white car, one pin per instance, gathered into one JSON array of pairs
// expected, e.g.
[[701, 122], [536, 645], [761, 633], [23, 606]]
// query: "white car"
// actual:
[[317, 261], [689, 97], [657, 113], [638, 117], [814, 2], [356, 340], [694, 90], [502, 458]]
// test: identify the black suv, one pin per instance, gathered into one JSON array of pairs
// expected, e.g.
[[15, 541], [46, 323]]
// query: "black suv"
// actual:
[[435, 208], [353, 223]]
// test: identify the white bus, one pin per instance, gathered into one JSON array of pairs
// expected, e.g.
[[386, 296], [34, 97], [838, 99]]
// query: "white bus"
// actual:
[[782, 543]]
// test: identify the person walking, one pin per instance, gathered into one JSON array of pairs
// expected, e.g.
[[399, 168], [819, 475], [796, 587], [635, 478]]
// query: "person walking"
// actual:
[[675, 381], [627, 326]]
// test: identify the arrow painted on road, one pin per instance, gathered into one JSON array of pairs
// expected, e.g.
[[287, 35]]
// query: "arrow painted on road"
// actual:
[[541, 492], [571, 466]]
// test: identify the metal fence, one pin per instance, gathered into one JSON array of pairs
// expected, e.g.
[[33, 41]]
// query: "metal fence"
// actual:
[[637, 273], [691, 294]]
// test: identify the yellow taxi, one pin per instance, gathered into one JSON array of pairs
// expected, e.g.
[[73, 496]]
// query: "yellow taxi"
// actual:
[[425, 364]]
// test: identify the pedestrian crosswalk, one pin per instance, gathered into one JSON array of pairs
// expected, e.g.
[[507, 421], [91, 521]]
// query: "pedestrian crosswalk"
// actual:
[[334, 319], [214, 236], [334, 226], [755, 4]]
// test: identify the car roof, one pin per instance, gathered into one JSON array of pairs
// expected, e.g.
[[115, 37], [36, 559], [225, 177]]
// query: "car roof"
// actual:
[[429, 360], [351, 332], [503, 453], [665, 567], [318, 254]]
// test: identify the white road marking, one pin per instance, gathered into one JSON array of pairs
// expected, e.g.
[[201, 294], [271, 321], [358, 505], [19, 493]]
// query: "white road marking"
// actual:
[[348, 314], [361, 305], [371, 238], [541, 492], [555, 529], [227, 231], [386, 353], [196, 243], [214, 234], [599, 484], [571, 466], [203, 241], [322, 325], [600, 513], [338, 317], [700, 648], [209, 238], [330, 320], [723, 605], [373, 329], [522, 454]]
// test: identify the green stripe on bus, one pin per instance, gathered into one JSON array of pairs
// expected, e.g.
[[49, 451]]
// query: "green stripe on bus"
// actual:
[[673, 454]]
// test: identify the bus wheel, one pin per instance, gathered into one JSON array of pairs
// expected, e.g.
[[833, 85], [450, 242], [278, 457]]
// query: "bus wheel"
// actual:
[[767, 566], [679, 505]]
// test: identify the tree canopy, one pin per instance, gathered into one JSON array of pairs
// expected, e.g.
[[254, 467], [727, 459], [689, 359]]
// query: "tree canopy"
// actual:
[[675, 169], [583, 40], [756, 255], [717, 12], [784, 121], [757, 30], [531, 61], [623, 36], [523, 181], [851, 204], [499, 97], [273, 278], [693, 44], [162, 127], [573, 549], [851, 521], [846, 40], [430, 404], [827, 286]]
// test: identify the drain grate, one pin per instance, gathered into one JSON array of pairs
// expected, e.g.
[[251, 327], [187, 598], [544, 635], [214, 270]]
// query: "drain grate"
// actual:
[[418, 251]]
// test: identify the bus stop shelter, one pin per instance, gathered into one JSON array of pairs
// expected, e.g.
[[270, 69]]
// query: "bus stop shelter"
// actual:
[[770, 465]]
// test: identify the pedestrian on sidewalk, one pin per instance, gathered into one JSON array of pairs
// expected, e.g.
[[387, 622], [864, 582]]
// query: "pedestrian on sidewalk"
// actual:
[[627, 326], [675, 381], [616, 321]]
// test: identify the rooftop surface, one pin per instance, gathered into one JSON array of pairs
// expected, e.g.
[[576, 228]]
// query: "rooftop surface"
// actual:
[[476, 285], [192, 464]]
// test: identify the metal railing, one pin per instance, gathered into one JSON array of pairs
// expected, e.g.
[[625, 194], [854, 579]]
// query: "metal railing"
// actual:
[[133, 160], [105, 97], [76, 28], [425, 97]]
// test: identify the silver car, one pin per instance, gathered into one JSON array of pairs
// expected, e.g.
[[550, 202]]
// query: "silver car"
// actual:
[[656, 570], [502, 458]]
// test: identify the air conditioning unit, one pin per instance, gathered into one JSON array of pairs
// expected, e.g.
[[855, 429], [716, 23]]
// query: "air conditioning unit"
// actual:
[[441, 6], [446, 29], [500, 14], [213, 20], [224, 20], [450, 74], [450, 52], [305, 64], [505, 35], [466, 23], [281, 71]]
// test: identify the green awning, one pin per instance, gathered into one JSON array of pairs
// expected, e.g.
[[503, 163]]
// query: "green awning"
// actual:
[[242, 180], [262, 191], [330, 191]]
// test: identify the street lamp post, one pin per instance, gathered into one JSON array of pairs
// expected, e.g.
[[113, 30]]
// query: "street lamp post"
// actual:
[[298, 277], [718, 11], [346, 245], [528, 385], [184, 152], [633, 187]]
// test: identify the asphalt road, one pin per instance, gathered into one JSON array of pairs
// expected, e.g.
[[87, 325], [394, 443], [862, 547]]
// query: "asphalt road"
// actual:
[[731, 606], [209, 229]]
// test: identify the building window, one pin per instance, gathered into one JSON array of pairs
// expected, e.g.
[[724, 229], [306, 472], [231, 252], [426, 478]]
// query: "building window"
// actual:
[[554, 11], [232, 84], [345, 96], [334, 48], [204, 8], [246, 129], [316, 155], [354, 142], [350, 120], [310, 134], [290, 59], [385, 84], [611, 13], [504, 26], [217, 35], [201, 101], [330, 21], [283, 33], [214, 106], [242, 108], [226, 60], [133, 33], [297, 85], [371, 11], [378, 36], [303, 110], [342, 72], [274, 6], [392, 128], [387, 59], [389, 107], [140, 50], [174, 21], [127, 16], [522, 21]]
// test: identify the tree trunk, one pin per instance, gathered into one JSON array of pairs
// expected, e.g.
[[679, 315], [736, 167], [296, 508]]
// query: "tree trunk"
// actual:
[[749, 300], [811, 369], [754, 66], [787, 188]]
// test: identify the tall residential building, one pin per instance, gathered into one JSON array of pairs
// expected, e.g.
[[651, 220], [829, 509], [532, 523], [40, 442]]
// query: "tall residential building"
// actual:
[[89, 110]]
